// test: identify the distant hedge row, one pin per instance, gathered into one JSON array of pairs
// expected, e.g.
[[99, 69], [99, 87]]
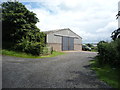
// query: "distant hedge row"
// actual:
[[109, 53]]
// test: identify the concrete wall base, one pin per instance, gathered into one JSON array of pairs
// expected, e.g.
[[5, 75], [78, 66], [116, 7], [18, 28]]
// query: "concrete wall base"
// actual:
[[78, 47], [58, 46]]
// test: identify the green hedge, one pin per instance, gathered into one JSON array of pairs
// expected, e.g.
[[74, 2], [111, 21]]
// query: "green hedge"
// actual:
[[47, 50], [109, 53], [34, 48]]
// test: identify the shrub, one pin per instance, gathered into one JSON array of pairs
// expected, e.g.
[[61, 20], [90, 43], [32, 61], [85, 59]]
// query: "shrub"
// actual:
[[34, 48], [94, 48], [89, 45], [109, 53], [47, 50]]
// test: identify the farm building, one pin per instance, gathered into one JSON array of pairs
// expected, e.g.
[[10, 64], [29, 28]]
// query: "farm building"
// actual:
[[63, 40]]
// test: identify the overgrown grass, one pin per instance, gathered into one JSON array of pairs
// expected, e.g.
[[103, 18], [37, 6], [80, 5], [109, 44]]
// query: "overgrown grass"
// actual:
[[94, 51], [106, 73], [25, 55]]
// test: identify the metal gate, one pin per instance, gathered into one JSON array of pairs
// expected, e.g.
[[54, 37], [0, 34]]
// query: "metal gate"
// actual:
[[67, 43]]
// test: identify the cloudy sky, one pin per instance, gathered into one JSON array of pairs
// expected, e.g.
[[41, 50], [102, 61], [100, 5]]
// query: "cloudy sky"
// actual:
[[93, 20]]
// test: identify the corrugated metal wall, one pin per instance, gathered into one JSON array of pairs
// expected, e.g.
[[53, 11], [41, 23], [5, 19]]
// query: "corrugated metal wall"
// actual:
[[53, 38]]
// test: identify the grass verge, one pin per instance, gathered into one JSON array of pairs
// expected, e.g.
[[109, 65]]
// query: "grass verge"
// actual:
[[25, 55], [106, 73], [94, 51]]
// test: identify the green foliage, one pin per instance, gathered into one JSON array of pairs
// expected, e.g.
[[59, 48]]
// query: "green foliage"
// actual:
[[34, 48], [117, 16], [109, 53], [26, 55], [94, 48], [47, 50], [106, 73], [19, 28], [17, 21], [115, 34], [89, 45]]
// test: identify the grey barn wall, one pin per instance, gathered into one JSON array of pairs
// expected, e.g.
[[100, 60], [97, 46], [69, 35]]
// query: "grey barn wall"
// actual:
[[52, 38], [55, 39]]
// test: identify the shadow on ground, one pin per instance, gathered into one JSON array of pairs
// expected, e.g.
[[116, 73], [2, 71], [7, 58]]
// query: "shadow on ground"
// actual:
[[88, 78]]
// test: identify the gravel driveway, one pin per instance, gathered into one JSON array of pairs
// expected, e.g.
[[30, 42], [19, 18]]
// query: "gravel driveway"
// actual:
[[71, 70]]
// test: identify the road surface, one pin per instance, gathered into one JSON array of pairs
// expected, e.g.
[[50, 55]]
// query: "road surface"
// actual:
[[71, 70]]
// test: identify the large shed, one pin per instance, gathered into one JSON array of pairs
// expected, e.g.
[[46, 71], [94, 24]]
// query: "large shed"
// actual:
[[63, 40]]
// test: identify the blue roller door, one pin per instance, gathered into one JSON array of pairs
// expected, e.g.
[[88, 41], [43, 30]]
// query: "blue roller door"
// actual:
[[67, 43]]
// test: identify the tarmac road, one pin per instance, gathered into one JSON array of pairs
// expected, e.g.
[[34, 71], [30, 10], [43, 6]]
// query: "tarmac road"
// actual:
[[71, 70]]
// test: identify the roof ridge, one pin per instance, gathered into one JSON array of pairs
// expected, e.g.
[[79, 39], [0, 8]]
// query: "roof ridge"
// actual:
[[57, 30]]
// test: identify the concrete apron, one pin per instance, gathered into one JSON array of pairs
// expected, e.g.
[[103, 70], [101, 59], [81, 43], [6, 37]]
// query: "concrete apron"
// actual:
[[71, 51], [78, 51]]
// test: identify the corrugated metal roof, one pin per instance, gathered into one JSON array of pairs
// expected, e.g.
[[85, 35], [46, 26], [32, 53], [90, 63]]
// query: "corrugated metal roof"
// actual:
[[57, 30], [53, 31]]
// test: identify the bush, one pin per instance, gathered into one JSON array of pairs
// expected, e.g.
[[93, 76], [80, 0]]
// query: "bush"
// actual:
[[89, 45], [109, 53], [47, 50], [34, 48], [94, 48]]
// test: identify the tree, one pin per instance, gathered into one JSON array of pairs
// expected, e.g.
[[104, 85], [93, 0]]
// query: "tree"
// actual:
[[17, 21], [19, 26], [89, 45], [115, 34], [118, 15]]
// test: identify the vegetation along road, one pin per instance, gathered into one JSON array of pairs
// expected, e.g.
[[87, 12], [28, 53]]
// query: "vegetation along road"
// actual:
[[71, 70]]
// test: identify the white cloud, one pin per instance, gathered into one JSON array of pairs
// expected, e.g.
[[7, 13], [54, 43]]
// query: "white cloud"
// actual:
[[108, 28], [94, 20]]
